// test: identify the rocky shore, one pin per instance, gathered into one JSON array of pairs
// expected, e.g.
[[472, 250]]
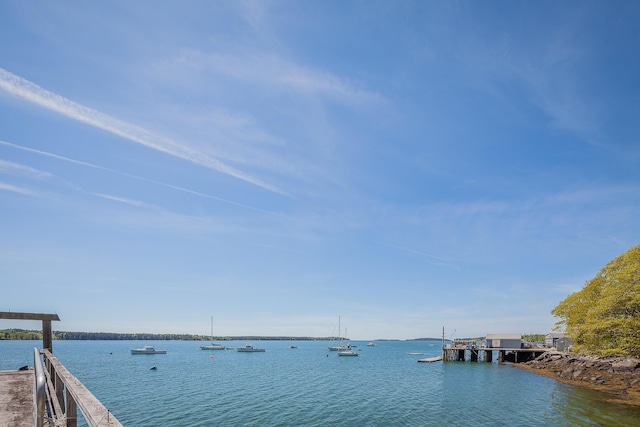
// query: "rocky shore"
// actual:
[[618, 378]]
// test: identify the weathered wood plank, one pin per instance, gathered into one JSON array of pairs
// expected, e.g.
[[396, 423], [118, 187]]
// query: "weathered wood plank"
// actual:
[[16, 398], [27, 316], [94, 412]]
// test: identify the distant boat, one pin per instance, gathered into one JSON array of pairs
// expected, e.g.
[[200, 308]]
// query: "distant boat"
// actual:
[[349, 352], [415, 352], [431, 359], [212, 346], [372, 344], [250, 349], [339, 347], [147, 349], [347, 349], [293, 346]]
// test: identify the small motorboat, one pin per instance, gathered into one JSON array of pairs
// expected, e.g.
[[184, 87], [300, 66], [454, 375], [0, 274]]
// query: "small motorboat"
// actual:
[[250, 349], [431, 359], [348, 353], [147, 349]]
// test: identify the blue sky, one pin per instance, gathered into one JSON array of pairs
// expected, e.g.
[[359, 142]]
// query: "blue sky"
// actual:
[[275, 165]]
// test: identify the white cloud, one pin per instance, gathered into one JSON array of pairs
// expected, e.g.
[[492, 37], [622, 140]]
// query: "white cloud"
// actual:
[[11, 168], [35, 94], [120, 199], [274, 71], [20, 190], [164, 184]]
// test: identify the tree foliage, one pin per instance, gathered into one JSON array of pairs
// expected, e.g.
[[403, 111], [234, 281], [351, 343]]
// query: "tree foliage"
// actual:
[[604, 317]]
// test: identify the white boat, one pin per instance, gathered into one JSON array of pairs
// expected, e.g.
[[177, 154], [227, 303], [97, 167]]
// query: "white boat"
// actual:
[[431, 359], [339, 347], [147, 349], [372, 344], [250, 349], [212, 346], [347, 350]]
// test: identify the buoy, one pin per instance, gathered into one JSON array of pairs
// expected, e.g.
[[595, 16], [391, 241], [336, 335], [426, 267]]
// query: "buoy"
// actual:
[[211, 357]]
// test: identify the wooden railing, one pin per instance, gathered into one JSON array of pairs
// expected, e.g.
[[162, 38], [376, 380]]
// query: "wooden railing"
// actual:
[[64, 394]]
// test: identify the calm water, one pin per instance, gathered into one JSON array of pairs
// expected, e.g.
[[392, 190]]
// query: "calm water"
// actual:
[[310, 386]]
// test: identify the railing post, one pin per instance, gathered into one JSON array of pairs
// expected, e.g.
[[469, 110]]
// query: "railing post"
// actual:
[[71, 410], [58, 385], [39, 390], [46, 335]]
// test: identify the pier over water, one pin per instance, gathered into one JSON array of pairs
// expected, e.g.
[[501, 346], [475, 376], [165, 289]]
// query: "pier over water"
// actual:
[[47, 394]]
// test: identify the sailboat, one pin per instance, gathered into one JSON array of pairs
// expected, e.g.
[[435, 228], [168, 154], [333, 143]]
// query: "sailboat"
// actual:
[[347, 350], [212, 346], [339, 347]]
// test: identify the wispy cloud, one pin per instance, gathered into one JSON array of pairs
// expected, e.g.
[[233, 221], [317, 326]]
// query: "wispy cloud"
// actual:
[[11, 168], [174, 187], [20, 190], [35, 94], [275, 71], [119, 199], [413, 251]]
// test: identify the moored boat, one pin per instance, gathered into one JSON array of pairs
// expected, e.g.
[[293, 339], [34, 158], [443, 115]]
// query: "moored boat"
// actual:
[[212, 346], [250, 349], [340, 346], [147, 349], [431, 359], [346, 349]]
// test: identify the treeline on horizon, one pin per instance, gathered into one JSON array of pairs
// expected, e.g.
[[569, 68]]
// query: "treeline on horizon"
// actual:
[[24, 334]]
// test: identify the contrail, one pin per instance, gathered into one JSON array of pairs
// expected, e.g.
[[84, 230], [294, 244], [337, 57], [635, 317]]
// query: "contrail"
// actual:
[[417, 252], [31, 92], [174, 187]]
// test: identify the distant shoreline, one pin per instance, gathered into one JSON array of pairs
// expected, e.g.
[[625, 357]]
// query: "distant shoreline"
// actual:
[[21, 334]]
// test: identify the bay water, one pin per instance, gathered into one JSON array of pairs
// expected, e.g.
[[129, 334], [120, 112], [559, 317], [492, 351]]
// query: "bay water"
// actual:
[[311, 386]]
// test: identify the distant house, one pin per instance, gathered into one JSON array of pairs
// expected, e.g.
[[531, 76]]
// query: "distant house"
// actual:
[[551, 338], [503, 341]]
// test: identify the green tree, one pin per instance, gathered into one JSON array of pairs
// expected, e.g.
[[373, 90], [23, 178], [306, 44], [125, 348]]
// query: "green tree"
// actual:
[[604, 317]]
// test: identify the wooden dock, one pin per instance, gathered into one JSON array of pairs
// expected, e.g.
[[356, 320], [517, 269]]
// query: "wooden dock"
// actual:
[[485, 354], [16, 398], [47, 395]]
